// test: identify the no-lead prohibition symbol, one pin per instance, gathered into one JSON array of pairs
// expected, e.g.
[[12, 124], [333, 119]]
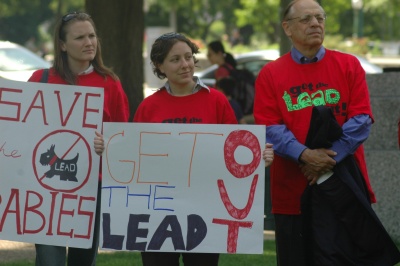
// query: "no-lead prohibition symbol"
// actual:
[[62, 161]]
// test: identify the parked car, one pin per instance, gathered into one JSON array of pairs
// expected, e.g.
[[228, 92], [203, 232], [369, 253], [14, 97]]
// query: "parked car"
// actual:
[[369, 67], [254, 61], [18, 63]]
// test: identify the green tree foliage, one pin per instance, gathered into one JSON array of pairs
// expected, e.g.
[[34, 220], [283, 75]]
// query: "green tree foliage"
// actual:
[[381, 18], [19, 19], [263, 15], [193, 17], [157, 15], [339, 17]]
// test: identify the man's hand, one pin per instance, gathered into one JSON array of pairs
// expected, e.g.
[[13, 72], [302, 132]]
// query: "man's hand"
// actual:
[[316, 163]]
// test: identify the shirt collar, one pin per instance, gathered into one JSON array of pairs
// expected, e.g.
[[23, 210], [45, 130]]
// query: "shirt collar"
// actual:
[[301, 59], [199, 85], [88, 70]]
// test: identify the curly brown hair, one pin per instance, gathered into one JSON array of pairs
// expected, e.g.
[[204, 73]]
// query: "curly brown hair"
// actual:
[[161, 47]]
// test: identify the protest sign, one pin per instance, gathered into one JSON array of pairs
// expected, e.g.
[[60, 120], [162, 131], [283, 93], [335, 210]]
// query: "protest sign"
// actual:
[[183, 188], [48, 169]]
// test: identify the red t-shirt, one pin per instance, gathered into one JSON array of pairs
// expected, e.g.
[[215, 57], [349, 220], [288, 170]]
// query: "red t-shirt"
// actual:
[[116, 106], [202, 107], [285, 94], [223, 71]]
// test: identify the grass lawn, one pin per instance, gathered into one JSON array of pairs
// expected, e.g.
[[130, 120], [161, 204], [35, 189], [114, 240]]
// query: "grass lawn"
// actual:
[[129, 258], [122, 258]]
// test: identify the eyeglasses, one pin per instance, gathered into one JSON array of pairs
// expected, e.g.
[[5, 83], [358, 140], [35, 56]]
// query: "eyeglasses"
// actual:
[[72, 15], [305, 19]]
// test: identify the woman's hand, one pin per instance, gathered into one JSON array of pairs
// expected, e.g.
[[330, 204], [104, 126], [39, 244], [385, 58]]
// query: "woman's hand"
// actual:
[[98, 143], [268, 154]]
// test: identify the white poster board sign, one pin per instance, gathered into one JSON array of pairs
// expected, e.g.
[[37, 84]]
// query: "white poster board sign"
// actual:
[[49, 171], [183, 188]]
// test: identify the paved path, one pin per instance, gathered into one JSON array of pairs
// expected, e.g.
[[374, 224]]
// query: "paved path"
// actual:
[[12, 251]]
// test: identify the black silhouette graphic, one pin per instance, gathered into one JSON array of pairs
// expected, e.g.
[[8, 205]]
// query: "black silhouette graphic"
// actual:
[[66, 169]]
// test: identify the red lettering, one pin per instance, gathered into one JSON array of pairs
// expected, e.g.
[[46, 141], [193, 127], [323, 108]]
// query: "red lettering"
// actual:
[[86, 110], [233, 232], [65, 212], [85, 213], [241, 138], [11, 111], [33, 209], [17, 105], [14, 196], [12, 154], [235, 139], [52, 207], [232, 210], [38, 94], [65, 121]]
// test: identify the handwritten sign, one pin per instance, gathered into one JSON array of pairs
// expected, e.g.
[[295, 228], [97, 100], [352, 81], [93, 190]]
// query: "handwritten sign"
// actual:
[[48, 169], [183, 188]]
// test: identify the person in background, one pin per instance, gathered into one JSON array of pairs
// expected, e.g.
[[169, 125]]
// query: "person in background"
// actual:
[[183, 99], [227, 64], [226, 86], [78, 61], [216, 54], [289, 91], [236, 38]]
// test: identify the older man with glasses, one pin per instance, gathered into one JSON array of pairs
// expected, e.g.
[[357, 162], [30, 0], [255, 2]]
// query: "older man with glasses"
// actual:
[[315, 105]]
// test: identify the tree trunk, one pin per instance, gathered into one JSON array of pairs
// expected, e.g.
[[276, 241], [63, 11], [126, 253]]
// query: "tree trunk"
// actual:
[[120, 27]]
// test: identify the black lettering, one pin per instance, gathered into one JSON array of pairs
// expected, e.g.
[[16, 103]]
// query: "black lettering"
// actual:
[[110, 241], [295, 90], [197, 231], [134, 232], [162, 233]]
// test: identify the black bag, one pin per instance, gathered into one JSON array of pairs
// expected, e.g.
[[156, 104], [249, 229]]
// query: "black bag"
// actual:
[[243, 92], [45, 76]]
